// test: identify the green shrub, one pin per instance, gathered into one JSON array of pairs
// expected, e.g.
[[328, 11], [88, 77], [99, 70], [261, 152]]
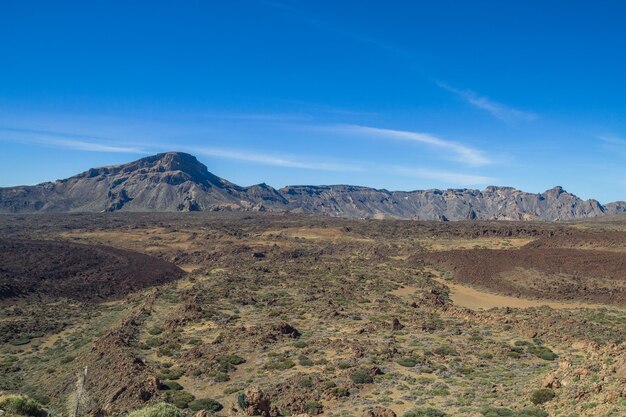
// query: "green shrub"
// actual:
[[305, 361], [340, 392], [242, 400], [446, 351], [497, 412], [180, 399], [543, 353], [408, 362], [155, 331], [220, 376], [20, 341], [205, 404], [157, 410], [172, 374], [234, 359], [305, 382], [280, 364], [22, 405], [170, 386], [424, 412], [153, 342], [313, 408], [507, 412], [531, 412], [228, 363], [361, 376], [541, 396]]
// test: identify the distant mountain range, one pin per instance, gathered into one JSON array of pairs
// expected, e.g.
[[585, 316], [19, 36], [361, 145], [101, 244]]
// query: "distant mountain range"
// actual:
[[176, 181]]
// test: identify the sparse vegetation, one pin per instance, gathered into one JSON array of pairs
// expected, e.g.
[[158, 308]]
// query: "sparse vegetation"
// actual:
[[311, 324]]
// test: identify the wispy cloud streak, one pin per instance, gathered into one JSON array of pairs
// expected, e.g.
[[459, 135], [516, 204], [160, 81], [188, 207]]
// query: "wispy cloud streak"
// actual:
[[497, 110], [274, 160], [614, 144], [58, 140], [456, 151]]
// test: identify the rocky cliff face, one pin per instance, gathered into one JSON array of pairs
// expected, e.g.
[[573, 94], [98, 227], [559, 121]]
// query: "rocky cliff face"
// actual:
[[177, 181]]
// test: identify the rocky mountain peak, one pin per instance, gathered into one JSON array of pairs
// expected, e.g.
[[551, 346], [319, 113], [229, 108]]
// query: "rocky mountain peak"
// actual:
[[171, 167], [174, 162], [556, 191]]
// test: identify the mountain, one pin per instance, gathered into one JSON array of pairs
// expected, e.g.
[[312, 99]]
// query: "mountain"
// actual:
[[176, 181]]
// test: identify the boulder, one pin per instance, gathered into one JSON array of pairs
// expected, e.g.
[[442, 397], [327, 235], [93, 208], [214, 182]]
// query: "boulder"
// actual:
[[551, 381]]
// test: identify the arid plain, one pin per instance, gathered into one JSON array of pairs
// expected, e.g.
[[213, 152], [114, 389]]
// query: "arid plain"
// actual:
[[284, 314]]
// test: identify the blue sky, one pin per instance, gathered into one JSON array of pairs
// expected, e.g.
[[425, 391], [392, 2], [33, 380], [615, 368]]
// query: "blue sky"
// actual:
[[397, 94]]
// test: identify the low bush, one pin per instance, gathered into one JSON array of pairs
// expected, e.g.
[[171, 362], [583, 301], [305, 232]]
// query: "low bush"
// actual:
[[543, 353], [531, 412], [154, 331], [305, 382], [541, 396], [180, 399], [305, 361], [22, 405], [313, 408], [361, 376], [232, 360], [507, 412], [207, 404], [407, 362], [20, 341], [340, 392], [157, 410], [280, 364], [446, 351], [170, 386], [424, 412], [242, 400], [171, 373]]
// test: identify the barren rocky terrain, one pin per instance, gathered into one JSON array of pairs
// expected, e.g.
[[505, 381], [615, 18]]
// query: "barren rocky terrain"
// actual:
[[285, 314]]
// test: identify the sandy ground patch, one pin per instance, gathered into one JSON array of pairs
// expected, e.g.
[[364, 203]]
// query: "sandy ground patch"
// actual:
[[474, 299]]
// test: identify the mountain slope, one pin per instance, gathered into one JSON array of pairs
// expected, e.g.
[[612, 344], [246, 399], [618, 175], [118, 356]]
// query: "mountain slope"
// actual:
[[170, 181], [176, 181]]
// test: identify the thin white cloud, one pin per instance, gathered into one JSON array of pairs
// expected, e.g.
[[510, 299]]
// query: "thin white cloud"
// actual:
[[91, 146], [498, 110], [274, 160], [612, 140], [59, 141], [447, 177], [456, 151], [614, 144]]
